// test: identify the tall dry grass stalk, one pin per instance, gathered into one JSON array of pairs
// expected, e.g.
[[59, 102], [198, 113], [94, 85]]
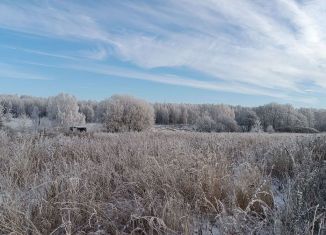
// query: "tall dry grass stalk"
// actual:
[[162, 183]]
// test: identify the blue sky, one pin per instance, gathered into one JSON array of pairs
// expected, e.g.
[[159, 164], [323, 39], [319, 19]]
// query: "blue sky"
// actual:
[[246, 52]]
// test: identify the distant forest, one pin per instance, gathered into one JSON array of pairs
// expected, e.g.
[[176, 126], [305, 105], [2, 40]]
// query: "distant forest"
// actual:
[[137, 114]]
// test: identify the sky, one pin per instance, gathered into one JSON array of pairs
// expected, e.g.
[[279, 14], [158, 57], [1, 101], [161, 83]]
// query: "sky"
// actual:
[[246, 52]]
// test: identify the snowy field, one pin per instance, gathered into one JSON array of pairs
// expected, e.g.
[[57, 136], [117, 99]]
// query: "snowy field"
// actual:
[[163, 182]]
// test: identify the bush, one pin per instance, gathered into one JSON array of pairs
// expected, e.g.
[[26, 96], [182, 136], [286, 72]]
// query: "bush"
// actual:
[[256, 127], [205, 124], [246, 118], [125, 113], [227, 124], [64, 109], [270, 129], [223, 124]]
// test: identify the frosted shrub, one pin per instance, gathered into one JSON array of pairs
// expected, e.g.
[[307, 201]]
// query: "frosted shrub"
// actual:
[[226, 124], [270, 129], [222, 124], [245, 118], [64, 109], [205, 124], [125, 113], [256, 127]]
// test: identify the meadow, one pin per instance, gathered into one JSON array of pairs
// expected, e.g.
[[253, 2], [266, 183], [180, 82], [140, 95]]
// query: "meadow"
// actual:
[[162, 182], [227, 134]]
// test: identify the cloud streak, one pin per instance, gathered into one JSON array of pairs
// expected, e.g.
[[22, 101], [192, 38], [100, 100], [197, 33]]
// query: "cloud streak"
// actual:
[[272, 48], [11, 72]]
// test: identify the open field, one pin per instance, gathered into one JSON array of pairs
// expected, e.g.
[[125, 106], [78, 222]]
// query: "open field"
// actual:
[[165, 117], [163, 183]]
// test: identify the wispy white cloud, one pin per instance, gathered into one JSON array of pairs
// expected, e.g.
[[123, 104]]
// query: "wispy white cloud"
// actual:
[[11, 72], [99, 53], [275, 48], [50, 19], [174, 80], [42, 53]]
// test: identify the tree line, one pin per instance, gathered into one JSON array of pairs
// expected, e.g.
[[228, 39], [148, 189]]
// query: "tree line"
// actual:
[[126, 113], [219, 117]]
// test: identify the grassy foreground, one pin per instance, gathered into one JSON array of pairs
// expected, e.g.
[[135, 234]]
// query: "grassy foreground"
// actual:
[[163, 183]]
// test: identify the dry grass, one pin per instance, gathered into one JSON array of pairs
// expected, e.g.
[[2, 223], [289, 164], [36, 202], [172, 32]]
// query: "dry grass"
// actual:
[[162, 183]]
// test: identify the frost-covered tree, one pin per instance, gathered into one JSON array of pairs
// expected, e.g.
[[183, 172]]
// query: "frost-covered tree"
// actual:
[[35, 116], [174, 114], [205, 123], [183, 119], [320, 118], [88, 109], [125, 113], [30, 103], [246, 118], [192, 114], [223, 116], [280, 116], [310, 116], [256, 127], [293, 118], [161, 114], [226, 124], [12, 104], [1, 116], [17, 106], [270, 114], [270, 129], [64, 110]]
